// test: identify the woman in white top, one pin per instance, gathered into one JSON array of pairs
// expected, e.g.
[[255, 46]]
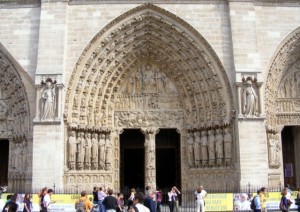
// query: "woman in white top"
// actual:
[[200, 196], [171, 194]]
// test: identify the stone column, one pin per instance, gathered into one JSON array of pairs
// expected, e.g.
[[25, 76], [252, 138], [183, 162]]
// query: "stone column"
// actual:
[[37, 102], [150, 166], [239, 90]]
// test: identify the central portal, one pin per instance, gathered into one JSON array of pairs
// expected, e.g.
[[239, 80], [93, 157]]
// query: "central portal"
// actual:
[[163, 159]]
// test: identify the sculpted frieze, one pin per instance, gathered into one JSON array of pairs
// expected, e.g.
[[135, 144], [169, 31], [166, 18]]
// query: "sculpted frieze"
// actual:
[[164, 118]]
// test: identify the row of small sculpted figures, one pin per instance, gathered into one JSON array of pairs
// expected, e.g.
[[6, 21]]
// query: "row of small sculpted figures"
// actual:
[[219, 162]]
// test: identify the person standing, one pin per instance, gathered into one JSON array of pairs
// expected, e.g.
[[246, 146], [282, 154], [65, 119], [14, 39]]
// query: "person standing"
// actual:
[[101, 196], [47, 201], [257, 201], [27, 203], [176, 199], [298, 197], [95, 195], [131, 198], [263, 199], [110, 202], [120, 207], [149, 202], [200, 194], [84, 203], [159, 197], [171, 200]]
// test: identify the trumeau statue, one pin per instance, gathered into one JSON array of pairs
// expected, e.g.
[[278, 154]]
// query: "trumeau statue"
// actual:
[[190, 149], [48, 103], [72, 150], [149, 150], [250, 100]]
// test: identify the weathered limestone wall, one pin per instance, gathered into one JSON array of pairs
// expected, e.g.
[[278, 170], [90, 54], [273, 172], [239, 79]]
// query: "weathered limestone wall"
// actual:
[[253, 152], [48, 156], [20, 35]]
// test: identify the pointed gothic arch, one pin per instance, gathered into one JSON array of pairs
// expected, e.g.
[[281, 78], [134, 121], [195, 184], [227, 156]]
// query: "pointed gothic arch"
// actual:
[[15, 119], [151, 33], [146, 44]]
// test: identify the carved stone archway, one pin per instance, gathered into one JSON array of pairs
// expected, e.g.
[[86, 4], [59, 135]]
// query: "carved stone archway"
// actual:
[[282, 99], [173, 63], [15, 121]]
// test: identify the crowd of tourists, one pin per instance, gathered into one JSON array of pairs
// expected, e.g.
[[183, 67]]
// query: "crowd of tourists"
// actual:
[[104, 200]]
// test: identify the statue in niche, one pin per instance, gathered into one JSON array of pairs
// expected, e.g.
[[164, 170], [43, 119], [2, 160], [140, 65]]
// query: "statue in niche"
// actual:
[[197, 144], [149, 150], [94, 151], [250, 100], [274, 150], [87, 150], [80, 152], [48, 104], [219, 146], [211, 148], [190, 150], [108, 152], [204, 148], [102, 151], [227, 145], [13, 154], [72, 150], [161, 82]]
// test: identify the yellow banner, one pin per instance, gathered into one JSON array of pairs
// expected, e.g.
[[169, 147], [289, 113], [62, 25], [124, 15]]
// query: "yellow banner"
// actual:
[[219, 202], [60, 198]]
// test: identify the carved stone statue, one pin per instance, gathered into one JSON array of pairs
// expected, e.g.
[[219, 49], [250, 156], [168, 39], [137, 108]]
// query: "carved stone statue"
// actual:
[[72, 150], [204, 148], [274, 151], [80, 152], [102, 151], [249, 100], [211, 148], [48, 106], [23, 154], [190, 150], [197, 144], [87, 150], [227, 145], [109, 153], [94, 151], [219, 146], [150, 150]]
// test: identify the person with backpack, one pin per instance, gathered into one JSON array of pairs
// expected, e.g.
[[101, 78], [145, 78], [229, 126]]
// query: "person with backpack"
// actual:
[[255, 202], [83, 204]]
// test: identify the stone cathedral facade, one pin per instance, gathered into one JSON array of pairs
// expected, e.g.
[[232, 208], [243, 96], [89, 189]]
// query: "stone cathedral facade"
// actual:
[[223, 74]]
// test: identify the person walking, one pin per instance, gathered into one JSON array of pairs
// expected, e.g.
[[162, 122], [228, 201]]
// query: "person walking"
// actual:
[[47, 201], [110, 202], [138, 203], [200, 195], [283, 206], [27, 203], [84, 204]]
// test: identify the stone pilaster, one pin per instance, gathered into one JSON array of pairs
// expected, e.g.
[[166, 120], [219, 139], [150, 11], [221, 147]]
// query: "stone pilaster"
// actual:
[[150, 157]]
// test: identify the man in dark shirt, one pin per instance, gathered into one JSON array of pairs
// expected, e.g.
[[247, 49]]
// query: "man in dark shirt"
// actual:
[[149, 203], [110, 202]]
